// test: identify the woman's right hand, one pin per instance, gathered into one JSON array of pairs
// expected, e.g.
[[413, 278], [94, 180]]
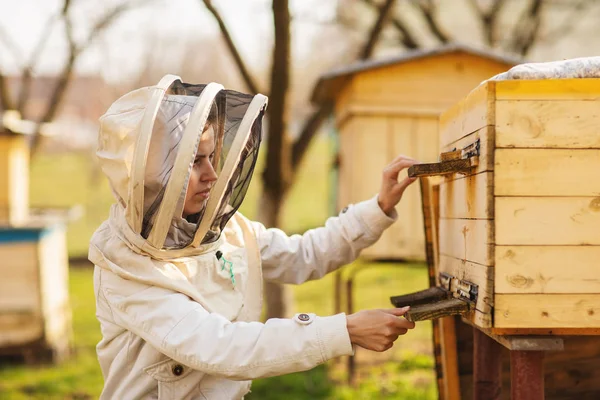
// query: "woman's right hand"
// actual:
[[377, 329]]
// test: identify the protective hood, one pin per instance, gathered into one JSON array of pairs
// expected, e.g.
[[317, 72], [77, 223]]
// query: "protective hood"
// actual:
[[148, 148]]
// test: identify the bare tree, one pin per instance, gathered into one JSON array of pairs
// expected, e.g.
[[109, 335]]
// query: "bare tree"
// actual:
[[284, 155], [74, 50]]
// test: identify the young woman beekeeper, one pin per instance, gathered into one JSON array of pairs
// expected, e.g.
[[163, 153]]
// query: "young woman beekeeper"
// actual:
[[178, 270]]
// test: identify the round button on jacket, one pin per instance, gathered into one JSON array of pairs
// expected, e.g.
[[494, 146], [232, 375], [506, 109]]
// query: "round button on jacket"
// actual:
[[177, 369], [303, 317]]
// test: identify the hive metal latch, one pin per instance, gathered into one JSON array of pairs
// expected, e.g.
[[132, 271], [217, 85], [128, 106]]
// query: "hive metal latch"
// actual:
[[455, 161], [453, 296]]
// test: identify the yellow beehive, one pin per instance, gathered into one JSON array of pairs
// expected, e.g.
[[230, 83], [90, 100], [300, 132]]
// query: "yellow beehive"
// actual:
[[524, 224], [391, 106], [14, 175]]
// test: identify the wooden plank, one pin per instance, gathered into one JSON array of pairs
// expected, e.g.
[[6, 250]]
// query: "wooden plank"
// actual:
[[547, 331], [528, 343], [547, 221], [527, 375], [372, 134], [543, 269], [470, 197], [548, 89], [20, 284], [547, 172], [485, 136], [14, 179], [469, 115], [470, 240], [487, 367], [450, 358], [20, 328], [54, 277], [547, 311], [547, 124]]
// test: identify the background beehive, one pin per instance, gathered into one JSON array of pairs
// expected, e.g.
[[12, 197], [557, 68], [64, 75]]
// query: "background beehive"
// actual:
[[525, 225], [389, 107]]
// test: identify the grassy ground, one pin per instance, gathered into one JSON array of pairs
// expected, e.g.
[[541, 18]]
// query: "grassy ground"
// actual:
[[405, 372]]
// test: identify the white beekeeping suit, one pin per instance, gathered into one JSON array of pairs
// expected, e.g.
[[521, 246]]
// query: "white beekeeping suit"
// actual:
[[178, 298]]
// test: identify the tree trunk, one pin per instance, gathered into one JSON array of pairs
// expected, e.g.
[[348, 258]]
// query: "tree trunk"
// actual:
[[278, 170], [278, 298]]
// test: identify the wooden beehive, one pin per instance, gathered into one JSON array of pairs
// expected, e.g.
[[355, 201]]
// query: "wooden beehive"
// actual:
[[389, 107], [524, 224], [35, 315]]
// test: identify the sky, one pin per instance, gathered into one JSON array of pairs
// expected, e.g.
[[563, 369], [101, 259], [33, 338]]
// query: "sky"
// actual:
[[120, 50]]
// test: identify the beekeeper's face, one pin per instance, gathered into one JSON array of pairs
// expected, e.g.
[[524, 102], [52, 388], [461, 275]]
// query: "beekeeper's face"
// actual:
[[202, 176]]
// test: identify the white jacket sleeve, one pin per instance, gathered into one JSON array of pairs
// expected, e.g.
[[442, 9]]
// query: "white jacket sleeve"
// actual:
[[298, 258], [184, 331]]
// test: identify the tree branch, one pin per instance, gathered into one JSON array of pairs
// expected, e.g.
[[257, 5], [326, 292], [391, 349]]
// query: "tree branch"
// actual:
[[74, 51], [569, 22], [312, 124], [252, 86], [429, 9], [489, 19], [406, 37], [4, 94], [526, 31], [369, 47], [26, 78]]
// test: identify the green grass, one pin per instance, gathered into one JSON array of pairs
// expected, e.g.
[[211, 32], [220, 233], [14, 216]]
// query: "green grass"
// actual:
[[77, 378], [405, 372]]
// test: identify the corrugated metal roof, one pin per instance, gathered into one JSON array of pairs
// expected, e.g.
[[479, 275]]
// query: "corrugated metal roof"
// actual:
[[338, 77]]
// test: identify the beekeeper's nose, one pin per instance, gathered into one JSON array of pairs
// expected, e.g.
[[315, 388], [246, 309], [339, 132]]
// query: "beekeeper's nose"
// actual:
[[209, 173]]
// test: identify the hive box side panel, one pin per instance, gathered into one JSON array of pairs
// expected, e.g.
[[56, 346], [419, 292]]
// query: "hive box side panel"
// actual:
[[469, 115], [547, 311], [548, 89], [20, 304], [345, 166], [556, 221], [430, 84], [468, 197], [54, 276], [409, 135], [547, 269], [551, 123], [14, 179], [547, 172]]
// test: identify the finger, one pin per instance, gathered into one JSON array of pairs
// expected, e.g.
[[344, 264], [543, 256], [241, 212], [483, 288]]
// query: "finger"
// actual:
[[403, 323], [401, 331], [398, 312], [393, 170], [401, 187], [400, 157], [404, 160]]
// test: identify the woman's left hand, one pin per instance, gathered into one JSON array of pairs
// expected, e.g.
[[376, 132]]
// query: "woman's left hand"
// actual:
[[392, 189]]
